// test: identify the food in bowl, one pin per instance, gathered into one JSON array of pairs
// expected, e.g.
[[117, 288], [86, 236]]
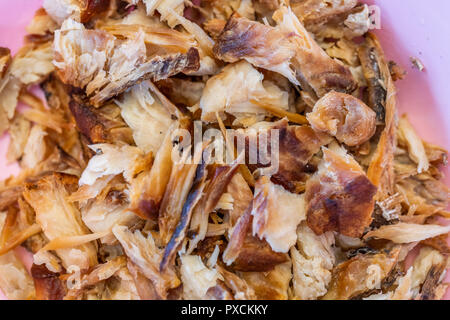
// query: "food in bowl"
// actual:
[[215, 150]]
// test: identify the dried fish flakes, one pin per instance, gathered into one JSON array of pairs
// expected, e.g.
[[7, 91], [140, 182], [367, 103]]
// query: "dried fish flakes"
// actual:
[[225, 150]]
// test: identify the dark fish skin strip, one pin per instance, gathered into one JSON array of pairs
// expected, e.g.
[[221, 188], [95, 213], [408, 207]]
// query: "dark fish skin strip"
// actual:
[[372, 72], [180, 232], [158, 68], [431, 282], [214, 191], [94, 7], [233, 46], [150, 207]]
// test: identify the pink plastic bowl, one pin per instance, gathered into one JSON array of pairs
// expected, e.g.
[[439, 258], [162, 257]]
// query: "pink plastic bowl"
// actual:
[[409, 28]]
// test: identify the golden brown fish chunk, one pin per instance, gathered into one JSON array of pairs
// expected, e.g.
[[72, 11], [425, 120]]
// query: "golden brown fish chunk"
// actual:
[[263, 46], [373, 65], [214, 27], [9, 196], [59, 218], [339, 197], [311, 63], [272, 285], [5, 60], [425, 194], [148, 191], [91, 8], [246, 252], [265, 6], [296, 146], [92, 123], [432, 287], [320, 11], [181, 91], [361, 274], [347, 118], [382, 99], [213, 192], [242, 197], [438, 243], [175, 196]]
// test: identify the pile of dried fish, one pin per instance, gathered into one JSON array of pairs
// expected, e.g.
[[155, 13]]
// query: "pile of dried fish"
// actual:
[[107, 212]]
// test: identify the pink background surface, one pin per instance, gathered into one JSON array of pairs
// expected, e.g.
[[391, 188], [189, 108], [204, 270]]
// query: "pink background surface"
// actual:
[[410, 28]]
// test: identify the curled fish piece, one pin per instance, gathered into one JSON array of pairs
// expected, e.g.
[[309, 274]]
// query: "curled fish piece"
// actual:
[[347, 118]]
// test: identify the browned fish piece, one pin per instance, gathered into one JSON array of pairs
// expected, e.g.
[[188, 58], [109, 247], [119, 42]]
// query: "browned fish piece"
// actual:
[[339, 197], [242, 197], [287, 49], [219, 292], [360, 274], [90, 122], [214, 27], [59, 218], [271, 285], [152, 183], [155, 69], [263, 46], [432, 281], [80, 10], [382, 99], [92, 8], [313, 12], [146, 255], [296, 146], [114, 65], [439, 243], [5, 60], [199, 204], [347, 118], [239, 287], [175, 197], [9, 196], [246, 252], [47, 283], [144, 286]]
